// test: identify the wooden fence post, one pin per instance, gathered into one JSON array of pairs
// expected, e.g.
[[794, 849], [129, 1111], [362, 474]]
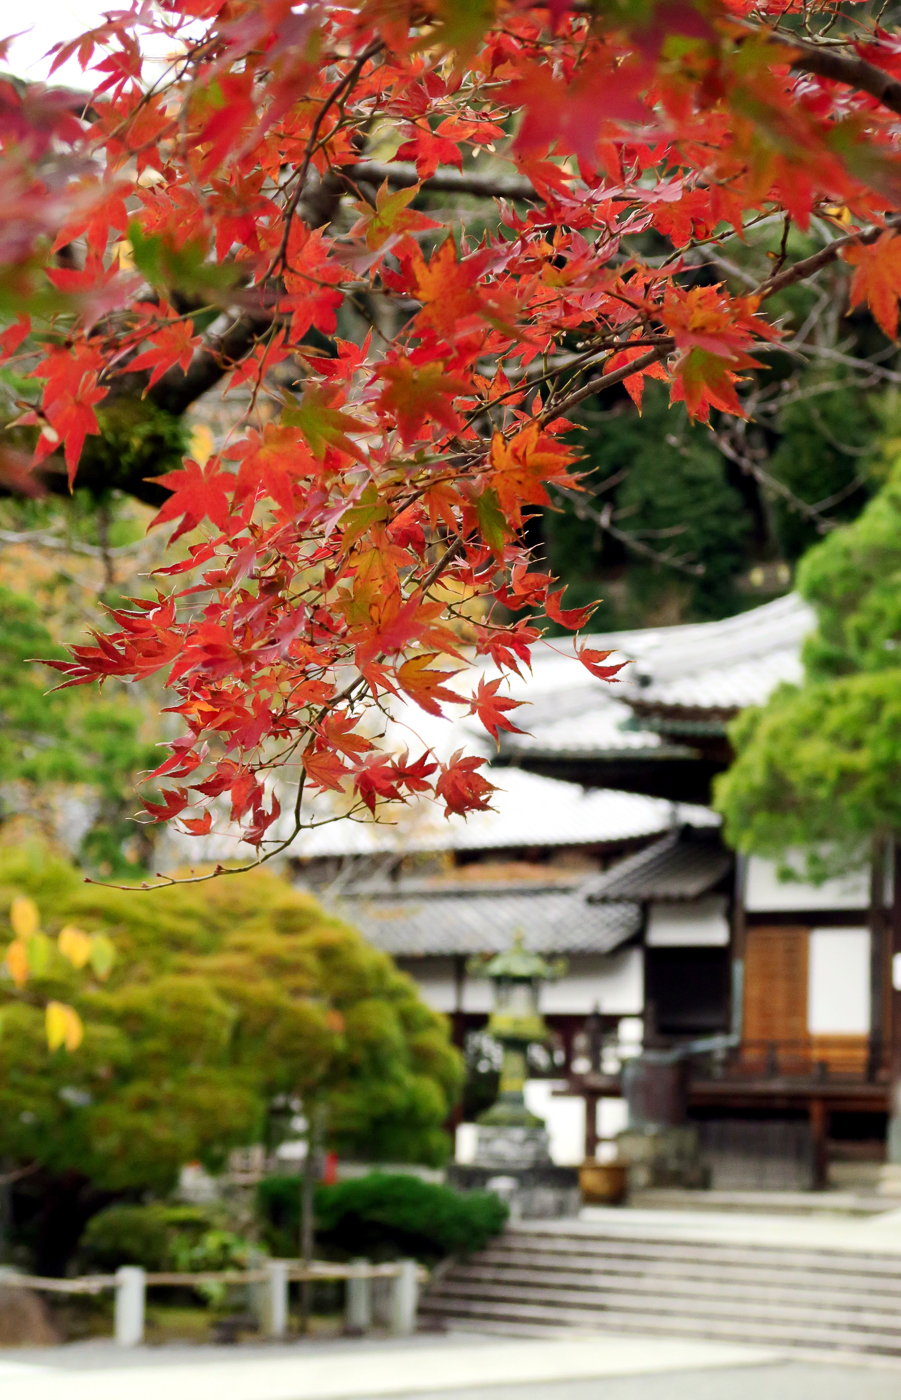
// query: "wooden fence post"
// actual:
[[404, 1299], [358, 1302], [131, 1283]]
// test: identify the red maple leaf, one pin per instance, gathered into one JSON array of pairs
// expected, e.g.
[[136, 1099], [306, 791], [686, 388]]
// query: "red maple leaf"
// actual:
[[197, 493], [171, 345], [593, 662], [462, 788], [490, 708], [877, 279], [573, 618], [429, 151]]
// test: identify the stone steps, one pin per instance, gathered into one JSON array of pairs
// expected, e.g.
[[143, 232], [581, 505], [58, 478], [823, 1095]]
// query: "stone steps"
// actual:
[[546, 1280]]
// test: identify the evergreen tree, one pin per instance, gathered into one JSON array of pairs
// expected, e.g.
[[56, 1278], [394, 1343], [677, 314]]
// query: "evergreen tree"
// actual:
[[818, 769]]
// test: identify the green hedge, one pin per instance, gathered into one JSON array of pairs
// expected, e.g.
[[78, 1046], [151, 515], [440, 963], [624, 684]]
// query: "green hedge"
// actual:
[[160, 1238], [382, 1216]]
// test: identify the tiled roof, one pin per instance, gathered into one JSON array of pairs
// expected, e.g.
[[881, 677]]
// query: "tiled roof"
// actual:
[[586, 721], [703, 670], [486, 921], [681, 866]]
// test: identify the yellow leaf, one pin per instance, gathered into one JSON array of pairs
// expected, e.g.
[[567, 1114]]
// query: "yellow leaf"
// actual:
[[103, 955], [16, 962], [201, 444], [38, 948], [24, 916], [63, 1026], [75, 945]]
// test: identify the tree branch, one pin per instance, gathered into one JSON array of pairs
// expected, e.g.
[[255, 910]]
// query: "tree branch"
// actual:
[[402, 174], [842, 67]]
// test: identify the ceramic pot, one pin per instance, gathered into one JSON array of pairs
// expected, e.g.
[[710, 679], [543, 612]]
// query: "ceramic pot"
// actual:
[[603, 1183]]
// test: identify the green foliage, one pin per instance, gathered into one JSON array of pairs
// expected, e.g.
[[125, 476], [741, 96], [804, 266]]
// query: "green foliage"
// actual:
[[675, 482], [222, 996], [819, 767], [384, 1215], [137, 439], [824, 442], [853, 580], [69, 737], [158, 1237]]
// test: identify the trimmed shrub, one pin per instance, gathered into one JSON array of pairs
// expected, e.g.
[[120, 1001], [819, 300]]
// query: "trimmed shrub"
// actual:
[[383, 1216], [159, 1237]]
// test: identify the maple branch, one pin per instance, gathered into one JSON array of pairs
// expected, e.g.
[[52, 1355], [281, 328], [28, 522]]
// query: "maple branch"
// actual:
[[438, 568], [841, 68], [604, 381], [402, 174], [749, 465], [808, 266], [177, 390], [604, 518]]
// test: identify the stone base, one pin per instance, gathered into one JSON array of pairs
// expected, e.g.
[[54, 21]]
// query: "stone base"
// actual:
[[540, 1192], [661, 1157], [500, 1146]]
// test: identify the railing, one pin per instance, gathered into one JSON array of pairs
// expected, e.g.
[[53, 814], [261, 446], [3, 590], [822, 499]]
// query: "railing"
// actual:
[[272, 1280], [834, 1058]]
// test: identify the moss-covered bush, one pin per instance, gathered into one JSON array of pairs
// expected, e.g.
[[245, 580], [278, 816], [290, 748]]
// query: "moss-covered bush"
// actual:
[[223, 997]]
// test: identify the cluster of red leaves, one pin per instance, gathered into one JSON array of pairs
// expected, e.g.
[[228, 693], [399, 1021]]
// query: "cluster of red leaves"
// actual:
[[363, 525]]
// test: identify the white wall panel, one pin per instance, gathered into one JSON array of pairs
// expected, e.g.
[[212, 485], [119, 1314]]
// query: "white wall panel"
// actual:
[[435, 979], [698, 923], [838, 981], [615, 982], [764, 891], [564, 1118]]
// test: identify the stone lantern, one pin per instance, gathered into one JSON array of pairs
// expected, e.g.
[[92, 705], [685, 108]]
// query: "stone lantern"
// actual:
[[512, 1149], [516, 1023]]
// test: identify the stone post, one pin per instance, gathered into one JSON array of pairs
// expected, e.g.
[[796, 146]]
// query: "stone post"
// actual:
[[404, 1299], [131, 1283], [276, 1320], [358, 1302]]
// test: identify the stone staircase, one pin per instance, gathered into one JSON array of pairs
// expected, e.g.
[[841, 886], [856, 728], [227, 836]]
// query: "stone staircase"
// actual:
[[544, 1278]]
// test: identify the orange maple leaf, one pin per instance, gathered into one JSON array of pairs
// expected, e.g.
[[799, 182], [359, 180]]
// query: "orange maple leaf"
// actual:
[[415, 393], [424, 686], [877, 279], [390, 216], [447, 288], [522, 466]]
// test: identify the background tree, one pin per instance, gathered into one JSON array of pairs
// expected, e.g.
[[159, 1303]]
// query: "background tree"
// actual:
[[220, 1001], [818, 769], [68, 762]]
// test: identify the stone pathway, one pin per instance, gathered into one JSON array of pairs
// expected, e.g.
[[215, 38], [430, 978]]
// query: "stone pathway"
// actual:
[[364, 1369]]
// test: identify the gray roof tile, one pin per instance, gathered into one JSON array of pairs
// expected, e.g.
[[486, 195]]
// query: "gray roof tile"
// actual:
[[681, 866], [476, 921]]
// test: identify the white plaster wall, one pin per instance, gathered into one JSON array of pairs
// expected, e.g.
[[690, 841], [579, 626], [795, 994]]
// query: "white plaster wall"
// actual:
[[564, 1118], [838, 981], [612, 1118], [764, 891], [700, 923], [434, 978], [615, 982], [478, 995]]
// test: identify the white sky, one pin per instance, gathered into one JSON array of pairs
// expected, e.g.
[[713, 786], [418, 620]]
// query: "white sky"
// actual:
[[47, 22]]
